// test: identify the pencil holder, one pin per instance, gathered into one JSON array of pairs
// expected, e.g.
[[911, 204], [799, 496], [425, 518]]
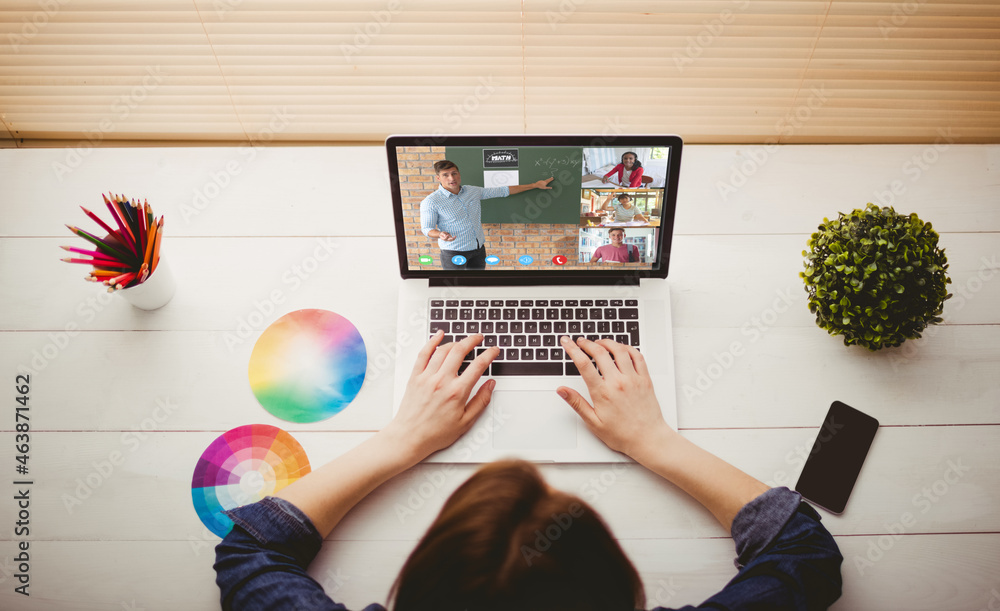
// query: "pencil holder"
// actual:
[[155, 292]]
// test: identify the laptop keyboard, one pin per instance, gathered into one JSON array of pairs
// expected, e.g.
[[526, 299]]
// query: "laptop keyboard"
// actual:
[[527, 331]]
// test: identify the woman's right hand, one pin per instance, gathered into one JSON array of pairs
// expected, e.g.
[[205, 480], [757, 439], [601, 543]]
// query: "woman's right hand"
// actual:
[[605, 180], [625, 415], [436, 408]]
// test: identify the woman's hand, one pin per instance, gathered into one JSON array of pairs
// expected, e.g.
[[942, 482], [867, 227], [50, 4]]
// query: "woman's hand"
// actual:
[[625, 415], [605, 179], [434, 413], [436, 409]]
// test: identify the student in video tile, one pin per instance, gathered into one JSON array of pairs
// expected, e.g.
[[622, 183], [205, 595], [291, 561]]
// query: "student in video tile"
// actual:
[[453, 215], [625, 210], [616, 251], [628, 173], [508, 539]]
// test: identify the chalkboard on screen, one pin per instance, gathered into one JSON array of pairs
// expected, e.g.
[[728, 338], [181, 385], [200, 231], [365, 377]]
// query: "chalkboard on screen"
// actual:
[[509, 166]]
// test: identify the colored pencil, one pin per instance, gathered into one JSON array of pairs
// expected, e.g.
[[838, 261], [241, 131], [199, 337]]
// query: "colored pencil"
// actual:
[[84, 251], [120, 217], [122, 200], [98, 220], [123, 205], [105, 262], [121, 279], [98, 257], [134, 225], [136, 228], [150, 241], [143, 227], [98, 262], [116, 217], [128, 281], [143, 222], [117, 200], [128, 207], [156, 247], [100, 244]]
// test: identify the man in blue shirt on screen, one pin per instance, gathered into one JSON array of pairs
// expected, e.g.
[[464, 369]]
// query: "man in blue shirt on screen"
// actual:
[[453, 215]]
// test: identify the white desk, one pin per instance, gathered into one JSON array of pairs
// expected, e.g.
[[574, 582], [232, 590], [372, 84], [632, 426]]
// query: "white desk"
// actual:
[[151, 390]]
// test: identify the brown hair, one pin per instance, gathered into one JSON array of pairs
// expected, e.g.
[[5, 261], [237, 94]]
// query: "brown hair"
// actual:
[[505, 540], [444, 164], [614, 229]]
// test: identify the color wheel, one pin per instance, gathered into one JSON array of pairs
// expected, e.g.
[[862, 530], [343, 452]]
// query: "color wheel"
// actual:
[[308, 365], [243, 466]]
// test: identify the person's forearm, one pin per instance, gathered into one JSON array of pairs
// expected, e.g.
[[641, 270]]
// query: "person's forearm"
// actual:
[[720, 487], [433, 233], [327, 494], [514, 190]]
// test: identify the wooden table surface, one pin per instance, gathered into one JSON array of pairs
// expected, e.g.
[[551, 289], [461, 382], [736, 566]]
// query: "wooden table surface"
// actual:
[[123, 402]]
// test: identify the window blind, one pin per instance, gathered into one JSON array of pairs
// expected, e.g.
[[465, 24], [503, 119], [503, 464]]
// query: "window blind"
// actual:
[[321, 71]]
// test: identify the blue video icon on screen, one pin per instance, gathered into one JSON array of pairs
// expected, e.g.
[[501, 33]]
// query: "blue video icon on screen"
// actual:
[[458, 260], [525, 259]]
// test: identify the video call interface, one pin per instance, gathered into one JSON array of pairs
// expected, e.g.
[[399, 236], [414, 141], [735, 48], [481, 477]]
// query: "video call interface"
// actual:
[[532, 208]]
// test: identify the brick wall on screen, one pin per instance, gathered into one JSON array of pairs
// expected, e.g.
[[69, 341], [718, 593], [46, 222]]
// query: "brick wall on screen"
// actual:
[[417, 181], [508, 241]]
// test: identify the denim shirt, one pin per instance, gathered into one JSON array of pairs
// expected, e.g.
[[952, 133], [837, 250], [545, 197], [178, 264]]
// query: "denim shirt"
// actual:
[[786, 559]]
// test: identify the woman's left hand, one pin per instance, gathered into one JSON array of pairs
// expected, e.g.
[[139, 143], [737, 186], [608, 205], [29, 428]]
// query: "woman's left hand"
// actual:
[[436, 409]]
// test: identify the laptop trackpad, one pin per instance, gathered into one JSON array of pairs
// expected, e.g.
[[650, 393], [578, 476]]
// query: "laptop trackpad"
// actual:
[[528, 420]]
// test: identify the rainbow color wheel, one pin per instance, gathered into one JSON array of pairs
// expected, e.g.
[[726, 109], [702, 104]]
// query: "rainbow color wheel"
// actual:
[[242, 466], [308, 365]]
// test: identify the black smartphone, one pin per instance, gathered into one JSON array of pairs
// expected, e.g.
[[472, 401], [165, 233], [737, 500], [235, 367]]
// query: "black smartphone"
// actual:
[[835, 461]]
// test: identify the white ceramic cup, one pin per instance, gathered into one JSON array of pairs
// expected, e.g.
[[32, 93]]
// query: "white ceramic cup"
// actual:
[[155, 292]]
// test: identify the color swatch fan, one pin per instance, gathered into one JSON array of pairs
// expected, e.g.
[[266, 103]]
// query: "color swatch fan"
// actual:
[[243, 466], [308, 365]]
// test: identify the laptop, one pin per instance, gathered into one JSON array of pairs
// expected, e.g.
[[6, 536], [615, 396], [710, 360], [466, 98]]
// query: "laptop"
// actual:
[[524, 265]]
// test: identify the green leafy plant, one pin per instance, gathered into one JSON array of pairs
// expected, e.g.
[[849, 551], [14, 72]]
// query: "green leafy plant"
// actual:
[[876, 277]]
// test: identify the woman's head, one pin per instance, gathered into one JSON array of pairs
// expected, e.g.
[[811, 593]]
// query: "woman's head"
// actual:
[[505, 540], [631, 161]]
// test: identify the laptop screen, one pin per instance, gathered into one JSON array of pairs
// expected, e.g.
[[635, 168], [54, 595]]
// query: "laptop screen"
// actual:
[[544, 205]]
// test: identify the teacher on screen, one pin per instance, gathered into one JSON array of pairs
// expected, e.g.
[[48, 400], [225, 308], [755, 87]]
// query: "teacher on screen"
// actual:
[[453, 215]]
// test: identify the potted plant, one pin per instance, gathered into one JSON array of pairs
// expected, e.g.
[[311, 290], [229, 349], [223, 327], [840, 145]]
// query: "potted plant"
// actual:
[[876, 277]]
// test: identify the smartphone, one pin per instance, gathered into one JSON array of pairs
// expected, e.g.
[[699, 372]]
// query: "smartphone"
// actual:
[[834, 463]]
